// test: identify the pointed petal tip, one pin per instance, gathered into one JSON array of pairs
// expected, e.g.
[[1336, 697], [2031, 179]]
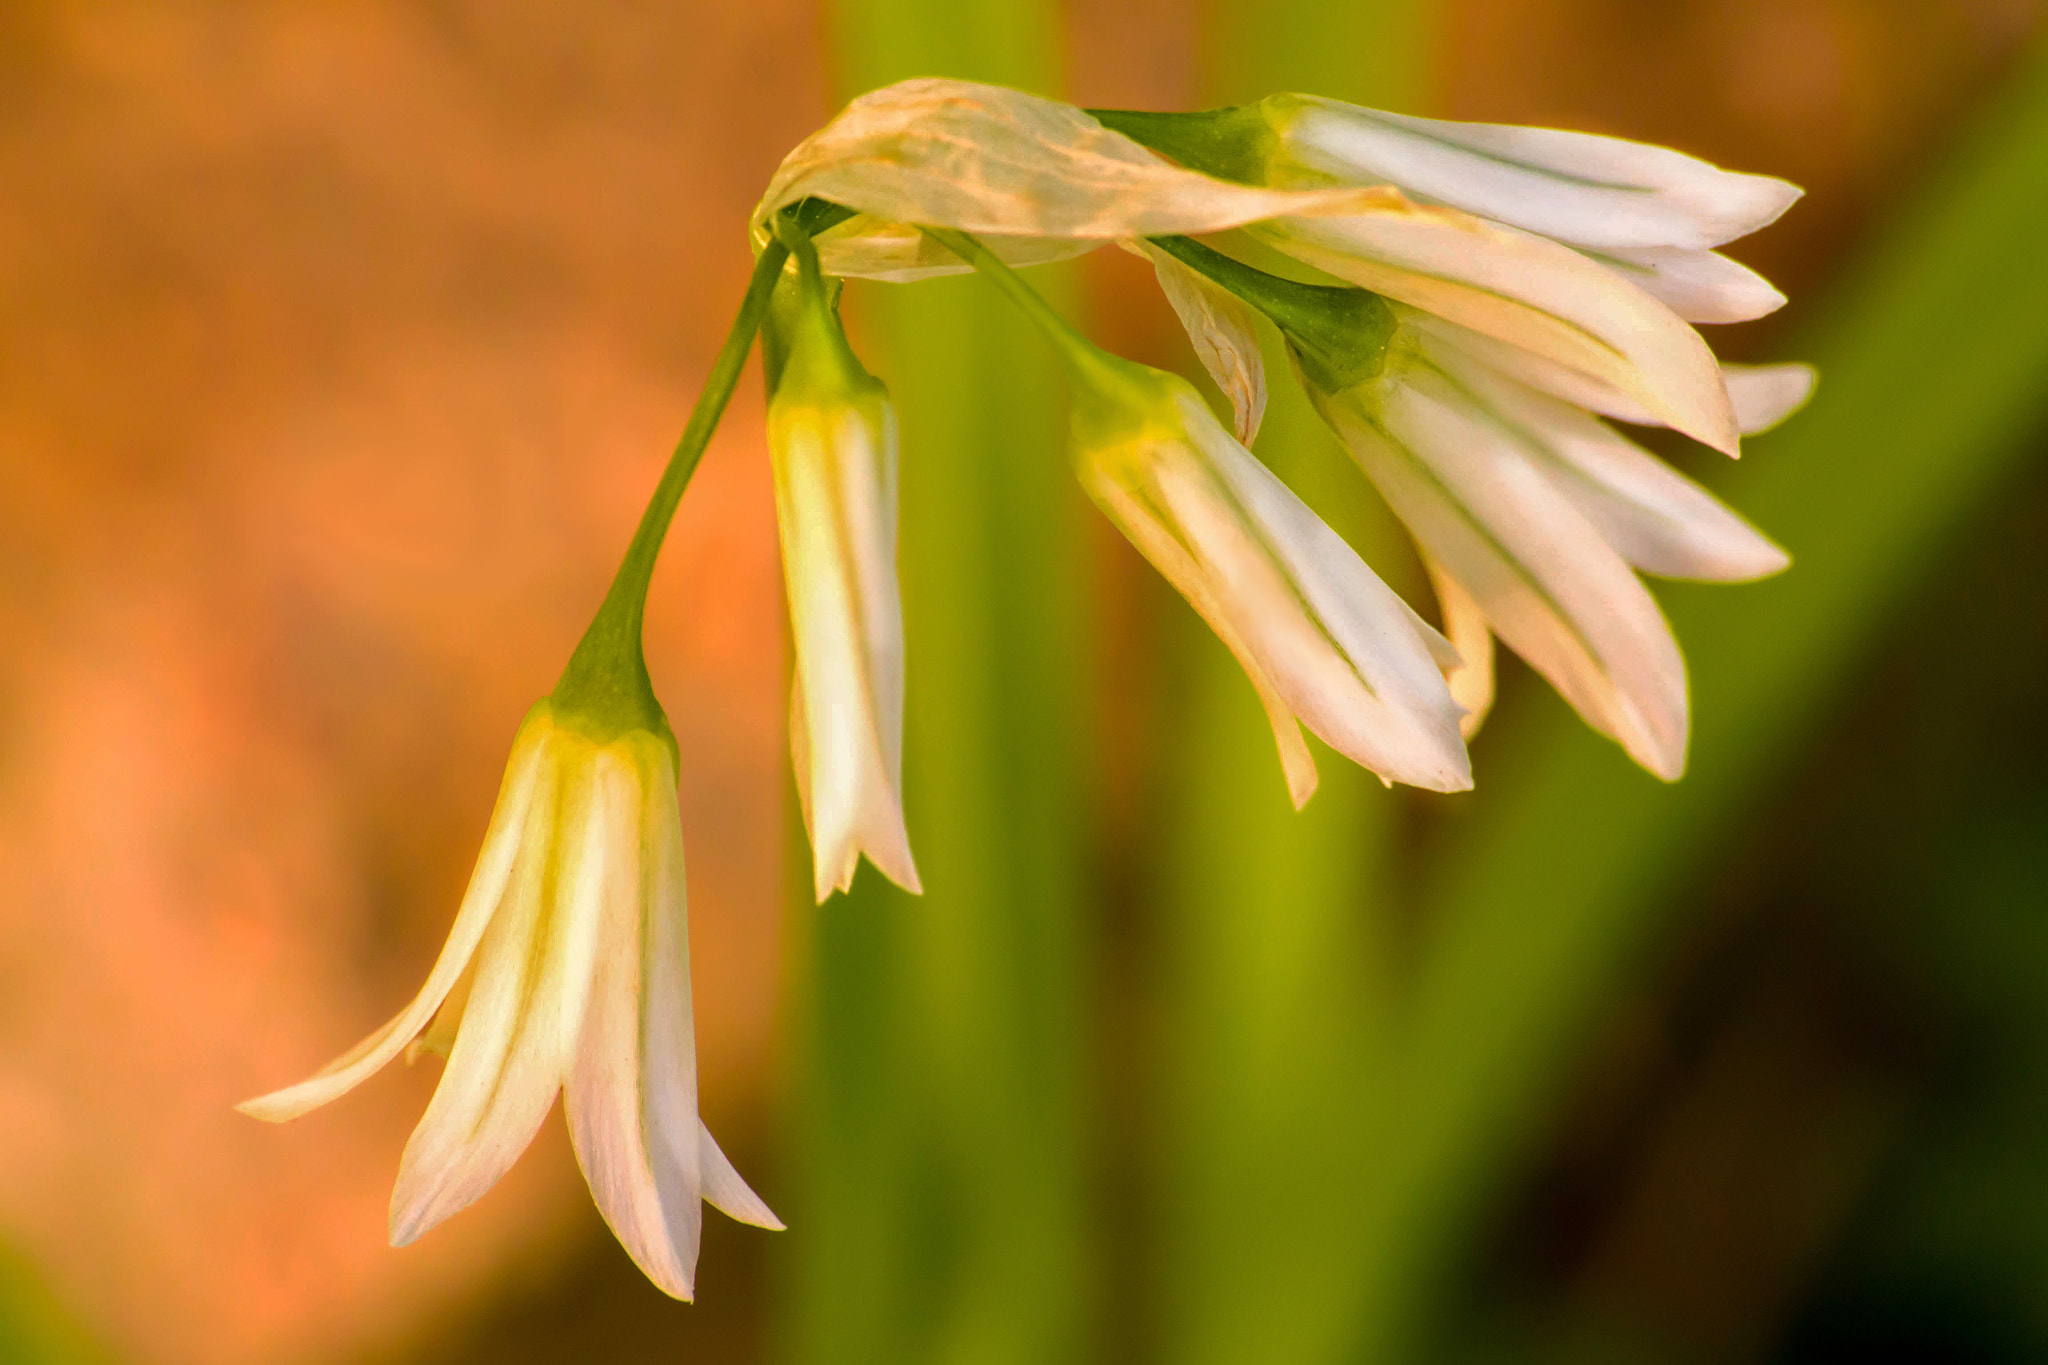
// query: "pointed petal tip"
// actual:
[[267, 1109]]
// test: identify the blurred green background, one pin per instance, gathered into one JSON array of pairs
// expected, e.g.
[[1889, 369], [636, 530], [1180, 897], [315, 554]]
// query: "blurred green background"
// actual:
[[1577, 1067]]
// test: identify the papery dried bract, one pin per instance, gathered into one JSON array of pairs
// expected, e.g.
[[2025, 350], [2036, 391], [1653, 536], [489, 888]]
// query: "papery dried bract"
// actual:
[[1223, 329], [1024, 173]]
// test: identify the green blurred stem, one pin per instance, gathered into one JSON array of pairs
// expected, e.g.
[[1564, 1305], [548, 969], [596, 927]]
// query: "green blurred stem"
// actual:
[[606, 677], [1080, 353]]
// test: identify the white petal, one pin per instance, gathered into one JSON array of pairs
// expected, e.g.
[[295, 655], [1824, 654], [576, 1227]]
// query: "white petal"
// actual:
[[726, 1192], [1656, 518], [1761, 395], [992, 161], [1529, 292], [1765, 395], [1699, 286], [525, 1008], [1577, 187], [528, 769], [1225, 335], [1320, 635], [1471, 676], [1137, 514], [835, 498], [1406, 728], [633, 1087], [1483, 507]]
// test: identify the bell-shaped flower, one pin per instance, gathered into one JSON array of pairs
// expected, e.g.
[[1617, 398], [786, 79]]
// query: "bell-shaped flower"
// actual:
[[832, 434], [1536, 515], [567, 972], [1325, 642]]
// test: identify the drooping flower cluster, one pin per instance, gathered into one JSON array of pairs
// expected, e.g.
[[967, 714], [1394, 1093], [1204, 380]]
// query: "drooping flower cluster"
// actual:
[[1469, 307]]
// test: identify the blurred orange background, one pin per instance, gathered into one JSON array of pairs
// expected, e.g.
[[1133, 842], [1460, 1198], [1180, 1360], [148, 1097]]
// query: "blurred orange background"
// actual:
[[338, 347]]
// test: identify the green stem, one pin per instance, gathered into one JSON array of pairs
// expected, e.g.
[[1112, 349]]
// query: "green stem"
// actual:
[[607, 672], [1339, 332], [1083, 356]]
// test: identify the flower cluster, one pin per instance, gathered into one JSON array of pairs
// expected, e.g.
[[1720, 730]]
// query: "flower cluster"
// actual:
[[1469, 307]]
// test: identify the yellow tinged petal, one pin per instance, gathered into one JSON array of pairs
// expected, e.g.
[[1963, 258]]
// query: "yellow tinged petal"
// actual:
[[835, 497], [1471, 677], [529, 771], [525, 1007]]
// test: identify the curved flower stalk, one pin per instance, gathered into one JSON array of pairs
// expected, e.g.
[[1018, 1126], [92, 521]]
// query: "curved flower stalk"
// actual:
[[567, 972], [1324, 641], [832, 436], [567, 969]]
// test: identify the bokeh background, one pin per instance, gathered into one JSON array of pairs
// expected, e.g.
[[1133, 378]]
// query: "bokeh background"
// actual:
[[338, 347]]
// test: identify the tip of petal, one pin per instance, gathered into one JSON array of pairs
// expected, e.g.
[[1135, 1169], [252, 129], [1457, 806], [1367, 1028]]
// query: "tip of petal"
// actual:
[[270, 1109]]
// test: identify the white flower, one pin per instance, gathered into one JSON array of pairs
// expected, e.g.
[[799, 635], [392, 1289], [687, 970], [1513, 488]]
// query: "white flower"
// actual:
[[567, 971], [1606, 301], [832, 433], [1653, 214], [1323, 640], [1535, 514]]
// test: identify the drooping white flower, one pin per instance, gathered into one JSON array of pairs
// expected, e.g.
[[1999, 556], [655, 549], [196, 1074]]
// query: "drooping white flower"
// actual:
[[832, 435], [1588, 254], [1324, 641], [1537, 514], [567, 971]]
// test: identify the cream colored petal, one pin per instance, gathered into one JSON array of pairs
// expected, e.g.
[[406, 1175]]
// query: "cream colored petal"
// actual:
[[528, 770], [835, 495], [726, 1192], [1549, 585], [1761, 395], [1225, 335], [1532, 293], [439, 1036], [1471, 676], [1322, 639], [1405, 725], [634, 1075], [1656, 518], [1577, 187], [1765, 395], [1699, 286], [991, 161], [525, 1008], [1139, 514]]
